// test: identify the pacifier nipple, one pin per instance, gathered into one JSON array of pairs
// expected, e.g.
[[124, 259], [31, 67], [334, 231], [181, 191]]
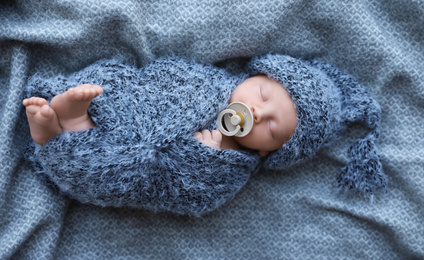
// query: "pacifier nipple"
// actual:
[[236, 119]]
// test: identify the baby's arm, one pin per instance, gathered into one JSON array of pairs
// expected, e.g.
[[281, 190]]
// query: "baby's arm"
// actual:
[[216, 140]]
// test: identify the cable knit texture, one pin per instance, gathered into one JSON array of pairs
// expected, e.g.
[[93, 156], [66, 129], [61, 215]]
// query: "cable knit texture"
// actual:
[[327, 101], [142, 153]]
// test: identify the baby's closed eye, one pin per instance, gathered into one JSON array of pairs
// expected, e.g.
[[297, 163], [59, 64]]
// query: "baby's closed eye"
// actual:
[[264, 92]]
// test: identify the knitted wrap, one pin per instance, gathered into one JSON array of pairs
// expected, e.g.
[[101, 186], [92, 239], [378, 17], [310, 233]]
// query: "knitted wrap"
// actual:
[[142, 153], [327, 101]]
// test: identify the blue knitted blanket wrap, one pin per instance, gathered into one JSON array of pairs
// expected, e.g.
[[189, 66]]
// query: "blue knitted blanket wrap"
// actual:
[[142, 153]]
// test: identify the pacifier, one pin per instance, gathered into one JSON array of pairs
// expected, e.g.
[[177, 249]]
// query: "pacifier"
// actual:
[[235, 120]]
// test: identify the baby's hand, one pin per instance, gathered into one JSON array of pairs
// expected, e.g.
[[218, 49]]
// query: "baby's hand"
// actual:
[[212, 139]]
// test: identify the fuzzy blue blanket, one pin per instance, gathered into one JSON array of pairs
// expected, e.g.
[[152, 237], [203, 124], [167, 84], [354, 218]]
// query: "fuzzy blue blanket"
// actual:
[[290, 214]]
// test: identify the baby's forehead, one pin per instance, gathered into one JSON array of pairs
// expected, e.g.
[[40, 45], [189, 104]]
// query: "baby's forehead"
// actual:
[[264, 79], [259, 77]]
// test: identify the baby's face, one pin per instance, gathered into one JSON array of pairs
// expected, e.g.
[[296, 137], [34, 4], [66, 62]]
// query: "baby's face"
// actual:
[[274, 113]]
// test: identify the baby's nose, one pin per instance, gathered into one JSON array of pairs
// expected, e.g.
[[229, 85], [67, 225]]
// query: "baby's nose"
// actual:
[[258, 114]]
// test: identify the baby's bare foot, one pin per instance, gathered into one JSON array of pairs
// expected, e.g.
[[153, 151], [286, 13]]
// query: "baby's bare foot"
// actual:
[[71, 107], [43, 122]]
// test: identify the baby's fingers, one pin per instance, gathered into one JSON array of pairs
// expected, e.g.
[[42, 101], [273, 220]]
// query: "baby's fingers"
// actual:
[[198, 136], [205, 135], [212, 139], [216, 136]]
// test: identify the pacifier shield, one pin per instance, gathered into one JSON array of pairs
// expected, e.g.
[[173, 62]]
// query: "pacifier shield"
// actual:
[[235, 120]]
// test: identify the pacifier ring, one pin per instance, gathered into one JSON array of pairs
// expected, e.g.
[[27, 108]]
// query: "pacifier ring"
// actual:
[[235, 120]]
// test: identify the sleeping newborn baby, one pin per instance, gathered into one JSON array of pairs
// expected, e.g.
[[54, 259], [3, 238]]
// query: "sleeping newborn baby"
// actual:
[[118, 135]]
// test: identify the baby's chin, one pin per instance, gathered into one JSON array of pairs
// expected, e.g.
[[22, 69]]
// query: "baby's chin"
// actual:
[[263, 153], [245, 146]]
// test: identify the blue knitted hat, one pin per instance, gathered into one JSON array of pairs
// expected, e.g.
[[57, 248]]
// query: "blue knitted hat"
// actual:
[[327, 101]]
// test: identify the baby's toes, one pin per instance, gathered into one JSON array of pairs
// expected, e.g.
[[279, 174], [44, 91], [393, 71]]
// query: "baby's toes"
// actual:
[[85, 94], [31, 110], [46, 112], [35, 101], [34, 104], [98, 89], [88, 91], [92, 91], [80, 93]]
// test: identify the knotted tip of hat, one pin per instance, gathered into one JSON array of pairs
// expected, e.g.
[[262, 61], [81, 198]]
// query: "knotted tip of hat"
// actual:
[[363, 172]]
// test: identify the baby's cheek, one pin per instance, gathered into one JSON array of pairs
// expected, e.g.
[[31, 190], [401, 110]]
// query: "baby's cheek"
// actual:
[[252, 141]]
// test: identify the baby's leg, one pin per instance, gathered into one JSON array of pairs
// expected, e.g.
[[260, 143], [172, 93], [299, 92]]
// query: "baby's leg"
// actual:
[[43, 121], [71, 107]]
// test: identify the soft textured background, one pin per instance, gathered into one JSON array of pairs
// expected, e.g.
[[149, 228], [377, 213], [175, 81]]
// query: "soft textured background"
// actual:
[[294, 214]]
